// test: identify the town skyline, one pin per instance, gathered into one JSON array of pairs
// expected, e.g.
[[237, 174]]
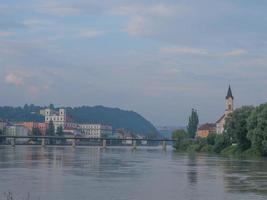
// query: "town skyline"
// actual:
[[160, 59]]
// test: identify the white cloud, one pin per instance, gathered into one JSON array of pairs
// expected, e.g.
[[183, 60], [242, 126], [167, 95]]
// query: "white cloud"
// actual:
[[183, 50], [237, 52], [14, 78], [146, 19], [91, 33], [32, 23], [138, 26], [59, 9], [160, 10], [5, 33]]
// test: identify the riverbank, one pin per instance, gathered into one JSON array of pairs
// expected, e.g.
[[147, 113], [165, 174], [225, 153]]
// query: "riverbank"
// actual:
[[214, 144]]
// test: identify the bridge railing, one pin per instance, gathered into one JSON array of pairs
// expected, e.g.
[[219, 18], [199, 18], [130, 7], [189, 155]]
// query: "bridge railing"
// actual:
[[82, 141]]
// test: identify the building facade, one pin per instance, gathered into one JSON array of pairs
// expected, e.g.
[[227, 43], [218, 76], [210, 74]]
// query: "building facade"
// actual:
[[229, 108], [59, 118], [95, 130], [17, 130], [205, 129], [3, 125], [31, 125]]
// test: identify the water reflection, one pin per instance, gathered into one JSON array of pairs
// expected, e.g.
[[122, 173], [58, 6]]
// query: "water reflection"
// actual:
[[120, 173], [248, 176], [192, 169]]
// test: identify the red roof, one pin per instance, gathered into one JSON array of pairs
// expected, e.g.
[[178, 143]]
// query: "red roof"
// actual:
[[207, 126]]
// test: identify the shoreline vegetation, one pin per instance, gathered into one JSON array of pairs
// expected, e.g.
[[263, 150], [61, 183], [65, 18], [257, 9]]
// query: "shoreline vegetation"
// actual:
[[245, 135]]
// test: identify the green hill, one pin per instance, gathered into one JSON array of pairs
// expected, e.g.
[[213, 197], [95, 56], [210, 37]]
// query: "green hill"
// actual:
[[117, 118]]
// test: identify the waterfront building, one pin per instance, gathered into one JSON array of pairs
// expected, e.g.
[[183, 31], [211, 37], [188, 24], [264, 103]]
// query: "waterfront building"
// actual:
[[229, 108], [17, 130], [31, 125], [57, 117], [3, 124], [205, 129], [95, 130]]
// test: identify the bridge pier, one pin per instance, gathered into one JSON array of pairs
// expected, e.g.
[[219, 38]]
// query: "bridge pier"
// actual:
[[104, 143], [13, 142], [134, 145], [43, 142], [73, 143], [164, 145]]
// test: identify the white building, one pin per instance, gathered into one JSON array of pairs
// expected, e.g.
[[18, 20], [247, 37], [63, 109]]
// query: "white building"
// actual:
[[58, 118], [17, 130], [229, 108], [95, 130]]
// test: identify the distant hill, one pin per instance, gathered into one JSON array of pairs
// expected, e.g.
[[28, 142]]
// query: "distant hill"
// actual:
[[117, 118]]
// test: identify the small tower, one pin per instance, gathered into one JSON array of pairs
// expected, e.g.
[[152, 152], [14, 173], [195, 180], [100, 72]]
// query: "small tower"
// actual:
[[229, 102]]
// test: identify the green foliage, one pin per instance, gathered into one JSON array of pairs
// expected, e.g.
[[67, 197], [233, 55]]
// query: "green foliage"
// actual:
[[36, 132], [60, 131], [257, 129], [117, 118], [236, 127], [181, 140], [230, 150], [221, 142], [211, 138], [1, 139], [50, 131], [207, 148], [192, 124]]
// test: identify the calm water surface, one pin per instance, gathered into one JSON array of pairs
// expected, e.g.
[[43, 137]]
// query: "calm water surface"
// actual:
[[55, 173]]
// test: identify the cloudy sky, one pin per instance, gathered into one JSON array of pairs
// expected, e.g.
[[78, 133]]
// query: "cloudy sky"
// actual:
[[159, 58]]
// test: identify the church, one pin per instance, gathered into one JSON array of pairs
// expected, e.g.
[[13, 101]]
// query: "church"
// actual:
[[229, 108]]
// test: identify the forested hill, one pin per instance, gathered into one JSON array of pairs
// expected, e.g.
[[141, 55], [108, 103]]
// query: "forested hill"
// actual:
[[117, 118]]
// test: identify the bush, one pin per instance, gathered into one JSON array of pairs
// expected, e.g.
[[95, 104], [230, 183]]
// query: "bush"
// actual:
[[221, 142], [211, 138], [207, 148], [181, 138]]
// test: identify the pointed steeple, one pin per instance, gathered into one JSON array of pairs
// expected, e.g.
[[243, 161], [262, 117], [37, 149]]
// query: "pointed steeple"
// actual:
[[229, 93]]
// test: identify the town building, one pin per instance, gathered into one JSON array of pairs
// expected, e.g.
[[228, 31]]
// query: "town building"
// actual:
[[3, 125], [17, 130], [205, 129], [95, 130], [31, 125], [57, 117], [229, 108]]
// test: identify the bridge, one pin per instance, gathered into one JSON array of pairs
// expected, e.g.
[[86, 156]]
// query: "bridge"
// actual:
[[81, 141]]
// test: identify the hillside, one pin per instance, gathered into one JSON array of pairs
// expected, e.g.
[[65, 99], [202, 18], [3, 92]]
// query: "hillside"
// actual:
[[117, 118]]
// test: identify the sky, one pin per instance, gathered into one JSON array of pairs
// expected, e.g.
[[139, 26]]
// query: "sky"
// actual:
[[158, 58]]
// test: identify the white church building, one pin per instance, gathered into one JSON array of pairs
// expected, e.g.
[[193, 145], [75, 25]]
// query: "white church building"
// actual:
[[229, 108]]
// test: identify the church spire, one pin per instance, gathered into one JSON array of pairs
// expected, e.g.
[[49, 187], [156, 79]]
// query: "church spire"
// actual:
[[229, 93]]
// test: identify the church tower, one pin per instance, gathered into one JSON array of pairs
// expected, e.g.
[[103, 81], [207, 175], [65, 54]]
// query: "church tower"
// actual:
[[229, 102], [229, 108]]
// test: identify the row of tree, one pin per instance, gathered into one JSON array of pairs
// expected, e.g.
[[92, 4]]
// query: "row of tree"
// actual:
[[247, 127], [245, 132]]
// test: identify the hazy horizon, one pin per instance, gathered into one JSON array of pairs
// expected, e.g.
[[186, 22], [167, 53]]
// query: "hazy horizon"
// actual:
[[157, 58]]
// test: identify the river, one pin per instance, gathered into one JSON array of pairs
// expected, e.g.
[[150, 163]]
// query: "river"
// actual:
[[65, 173]]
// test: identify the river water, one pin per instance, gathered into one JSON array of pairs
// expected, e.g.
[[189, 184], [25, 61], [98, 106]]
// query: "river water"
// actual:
[[55, 173]]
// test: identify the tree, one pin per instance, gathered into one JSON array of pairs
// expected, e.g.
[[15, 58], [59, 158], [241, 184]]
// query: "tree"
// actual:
[[257, 129], [50, 131], [36, 132], [180, 136], [60, 131], [211, 138], [1, 133], [192, 124], [237, 129], [221, 142]]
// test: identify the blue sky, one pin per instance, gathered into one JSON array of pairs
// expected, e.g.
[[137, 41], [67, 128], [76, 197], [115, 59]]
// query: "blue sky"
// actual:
[[159, 58]]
